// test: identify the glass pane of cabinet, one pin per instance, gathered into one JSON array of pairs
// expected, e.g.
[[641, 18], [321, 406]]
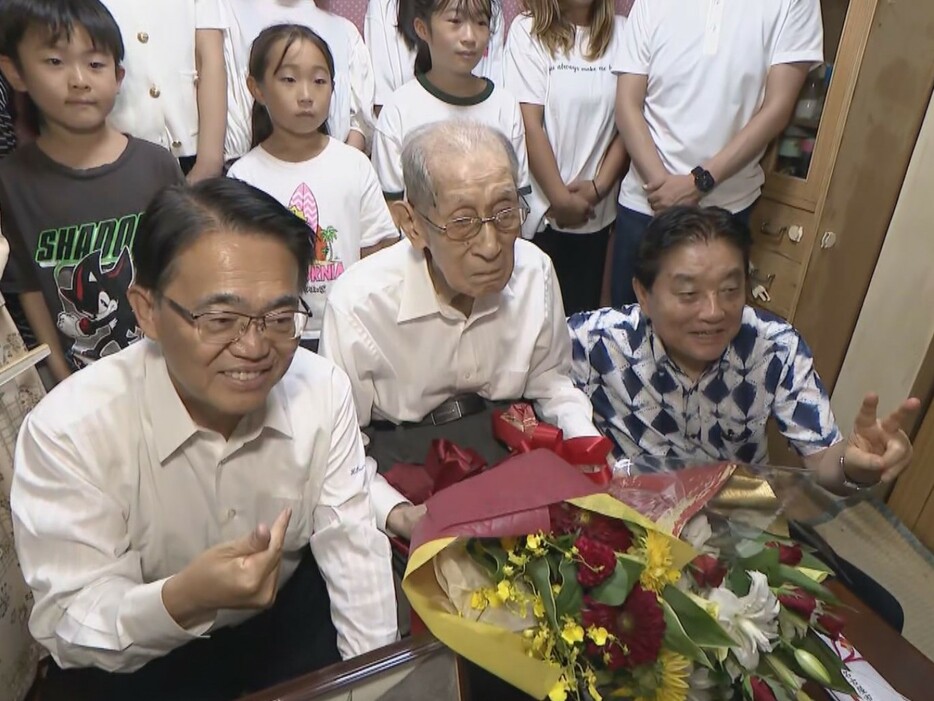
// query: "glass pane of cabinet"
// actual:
[[791, 154]]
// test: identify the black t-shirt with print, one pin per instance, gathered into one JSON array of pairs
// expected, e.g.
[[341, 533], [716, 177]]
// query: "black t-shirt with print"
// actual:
[[70, 233]]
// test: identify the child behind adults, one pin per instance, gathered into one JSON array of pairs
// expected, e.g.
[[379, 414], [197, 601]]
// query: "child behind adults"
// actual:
[[453, 36], [70, 202], [329, 184]]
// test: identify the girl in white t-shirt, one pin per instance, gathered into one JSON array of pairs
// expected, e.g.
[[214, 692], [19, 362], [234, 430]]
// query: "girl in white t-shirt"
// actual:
[[452, 36], [558, 65], [390, 37], [351, 116], [328, 184]]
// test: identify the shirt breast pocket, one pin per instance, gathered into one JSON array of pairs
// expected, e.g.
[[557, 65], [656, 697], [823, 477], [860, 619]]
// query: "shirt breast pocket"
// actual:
[[268, 508]]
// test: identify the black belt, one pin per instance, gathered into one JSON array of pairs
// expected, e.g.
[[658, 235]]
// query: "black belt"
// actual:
[[455, 408]]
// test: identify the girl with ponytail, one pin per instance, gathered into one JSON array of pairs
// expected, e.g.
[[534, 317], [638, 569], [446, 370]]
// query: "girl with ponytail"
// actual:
[[450, 37], [328, 184]]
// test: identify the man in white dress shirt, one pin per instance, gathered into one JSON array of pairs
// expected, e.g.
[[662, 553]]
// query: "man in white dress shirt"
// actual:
[[170, 493], [459, 314]]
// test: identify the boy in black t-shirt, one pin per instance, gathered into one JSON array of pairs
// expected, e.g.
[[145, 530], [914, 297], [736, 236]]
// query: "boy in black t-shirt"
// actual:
[[70, 202]]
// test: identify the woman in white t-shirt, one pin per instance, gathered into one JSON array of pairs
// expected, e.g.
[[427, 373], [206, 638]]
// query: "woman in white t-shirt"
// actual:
[[558, 65], [390, 37], [452, 37], [351, 117], [328, 184]]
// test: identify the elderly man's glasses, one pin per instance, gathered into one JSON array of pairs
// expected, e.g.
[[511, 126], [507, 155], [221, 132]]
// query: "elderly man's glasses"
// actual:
[[507, 221], [221, 328]]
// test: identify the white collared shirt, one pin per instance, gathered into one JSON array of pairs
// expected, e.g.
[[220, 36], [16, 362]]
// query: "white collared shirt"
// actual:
[[158, 100], [406, 352], [707, 62], [116, 489]]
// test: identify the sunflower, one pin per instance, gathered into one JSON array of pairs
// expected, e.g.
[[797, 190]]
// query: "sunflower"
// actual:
[[658, 572], [671, 677]]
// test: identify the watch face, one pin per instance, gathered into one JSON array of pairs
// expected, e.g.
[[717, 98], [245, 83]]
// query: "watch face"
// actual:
[[703, 180]]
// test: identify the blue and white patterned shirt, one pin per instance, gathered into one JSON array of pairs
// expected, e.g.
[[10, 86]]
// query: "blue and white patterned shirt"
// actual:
[[648, 406]]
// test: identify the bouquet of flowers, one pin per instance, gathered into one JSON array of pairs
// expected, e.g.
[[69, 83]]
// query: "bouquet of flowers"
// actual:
[[579, 589]]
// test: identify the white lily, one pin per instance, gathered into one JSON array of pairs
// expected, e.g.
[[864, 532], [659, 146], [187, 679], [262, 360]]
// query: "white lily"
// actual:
[[752, 620]]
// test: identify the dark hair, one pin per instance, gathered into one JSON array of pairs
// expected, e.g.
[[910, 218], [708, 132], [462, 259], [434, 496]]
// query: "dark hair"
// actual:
[[410, 10], [681, 225], [59, 18], [179, 215], [260, 61]]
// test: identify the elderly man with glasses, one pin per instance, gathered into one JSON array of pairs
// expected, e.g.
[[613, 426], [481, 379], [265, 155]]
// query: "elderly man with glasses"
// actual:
[[166, 495], [459, 315]]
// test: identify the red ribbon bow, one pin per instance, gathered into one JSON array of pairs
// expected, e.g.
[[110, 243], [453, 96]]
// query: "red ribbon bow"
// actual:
[[446, 464], [520, 429]]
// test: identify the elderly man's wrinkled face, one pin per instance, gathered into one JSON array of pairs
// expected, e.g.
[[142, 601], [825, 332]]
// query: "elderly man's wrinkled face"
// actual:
[[478, 184]]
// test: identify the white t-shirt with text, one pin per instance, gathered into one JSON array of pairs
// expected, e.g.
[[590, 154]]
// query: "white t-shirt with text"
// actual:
[[579, 99]]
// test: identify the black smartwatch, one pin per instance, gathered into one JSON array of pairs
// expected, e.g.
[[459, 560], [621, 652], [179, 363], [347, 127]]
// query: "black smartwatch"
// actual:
[[703, 180]]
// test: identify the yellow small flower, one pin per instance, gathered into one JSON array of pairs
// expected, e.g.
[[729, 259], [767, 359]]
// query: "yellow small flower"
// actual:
[[538, 607], [560, 691], [591, 680], [533, 543], [478, 600], [509, 570], [572, 633], [517, 559], [556, 589], [504, 591], [598, 635]]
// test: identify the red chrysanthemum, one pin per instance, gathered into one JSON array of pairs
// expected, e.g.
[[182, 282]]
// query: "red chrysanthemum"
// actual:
[[800, 602], [598, 561], [566, 518], [708, 571], [832, 623], [787, 554], [638, 627], [761, 691]]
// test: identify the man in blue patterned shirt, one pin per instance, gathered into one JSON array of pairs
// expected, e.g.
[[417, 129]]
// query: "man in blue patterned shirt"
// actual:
[[692, 372]]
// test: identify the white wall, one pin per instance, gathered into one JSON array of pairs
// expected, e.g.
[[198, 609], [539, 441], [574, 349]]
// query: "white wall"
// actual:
[[896, 324]]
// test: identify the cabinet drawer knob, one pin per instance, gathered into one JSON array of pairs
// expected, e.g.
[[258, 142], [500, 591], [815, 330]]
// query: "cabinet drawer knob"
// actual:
[[771, 232], [763, 281]]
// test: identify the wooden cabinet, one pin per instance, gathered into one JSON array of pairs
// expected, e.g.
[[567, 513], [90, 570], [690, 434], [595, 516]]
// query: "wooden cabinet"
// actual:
[[833, 176]]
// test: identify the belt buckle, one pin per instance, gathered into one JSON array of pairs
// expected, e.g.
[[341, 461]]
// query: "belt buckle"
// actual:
[[445, 415]]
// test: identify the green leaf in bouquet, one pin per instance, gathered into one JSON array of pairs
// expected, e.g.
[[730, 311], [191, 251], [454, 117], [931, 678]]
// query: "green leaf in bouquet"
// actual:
[[765, 561], [489, 555], [791, 575], [738, 581], [678, 640], [749, 548], [831, 661], [570, 597], [704, 629], [812, 562], [540, 573], [614, 590]]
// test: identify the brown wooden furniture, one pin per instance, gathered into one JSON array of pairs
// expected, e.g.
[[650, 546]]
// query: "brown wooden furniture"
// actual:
[[833, 177]]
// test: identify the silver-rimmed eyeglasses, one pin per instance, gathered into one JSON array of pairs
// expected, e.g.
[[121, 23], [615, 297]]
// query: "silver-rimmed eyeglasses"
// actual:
[[221, 328]]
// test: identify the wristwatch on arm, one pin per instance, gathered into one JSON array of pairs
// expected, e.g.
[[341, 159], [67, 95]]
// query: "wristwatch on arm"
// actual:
[[703, 180]]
